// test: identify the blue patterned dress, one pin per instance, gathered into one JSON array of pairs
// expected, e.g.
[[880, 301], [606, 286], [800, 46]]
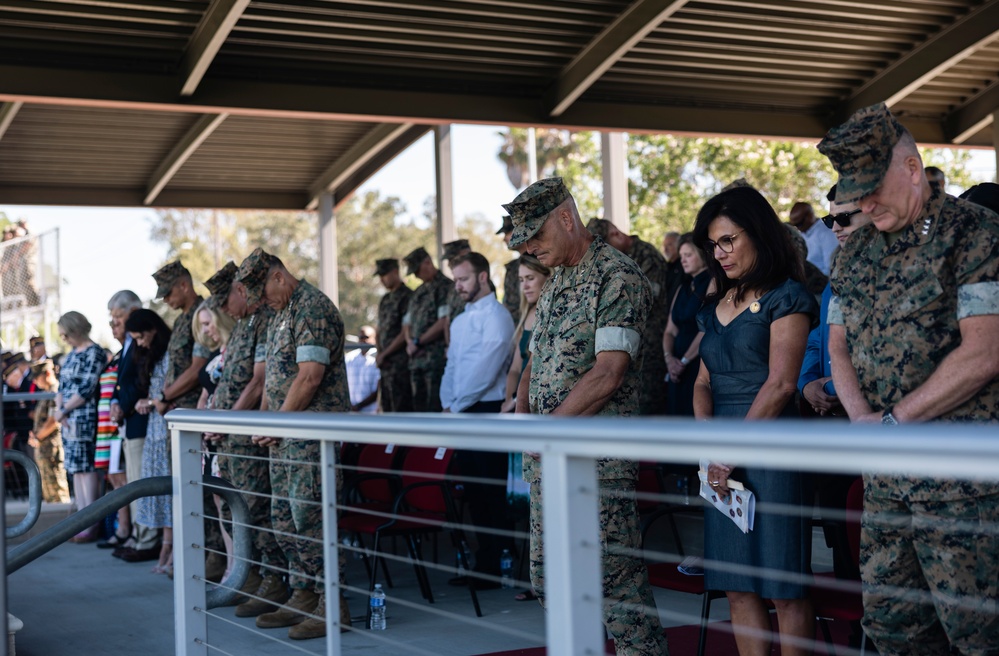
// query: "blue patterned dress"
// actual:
[[156, 511], [79, 375]]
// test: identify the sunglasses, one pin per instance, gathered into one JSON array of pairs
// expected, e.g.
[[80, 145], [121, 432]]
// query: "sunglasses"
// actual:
[[842, 218]]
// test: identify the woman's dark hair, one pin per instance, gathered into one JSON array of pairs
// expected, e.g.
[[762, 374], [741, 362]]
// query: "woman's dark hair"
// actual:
[[145, 359], [776, 258]]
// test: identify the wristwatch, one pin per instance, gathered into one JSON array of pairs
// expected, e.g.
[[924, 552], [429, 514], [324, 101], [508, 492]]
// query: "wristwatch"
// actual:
[[416, 341], [684, 361], [887, 418]]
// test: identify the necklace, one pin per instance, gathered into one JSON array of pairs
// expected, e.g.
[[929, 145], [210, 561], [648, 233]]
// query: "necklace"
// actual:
[[731, 296]]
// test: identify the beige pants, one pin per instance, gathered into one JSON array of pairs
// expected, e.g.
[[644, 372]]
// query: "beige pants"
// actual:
[[145, 537]]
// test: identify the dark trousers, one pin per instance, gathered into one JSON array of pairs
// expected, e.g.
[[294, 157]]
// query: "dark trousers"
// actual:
[[487, 502]]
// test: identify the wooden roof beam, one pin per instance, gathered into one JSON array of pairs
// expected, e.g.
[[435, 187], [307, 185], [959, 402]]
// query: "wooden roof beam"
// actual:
[[935, 55], [357, 156], [207, 40], [181, 152], [7, 113], [606, 49], [973, 116]]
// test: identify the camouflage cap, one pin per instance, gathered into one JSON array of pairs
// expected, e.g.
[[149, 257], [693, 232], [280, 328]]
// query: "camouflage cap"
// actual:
[[532, 206], [35, 341], [454, 248], [506, 227], [599, 227], [41, 367], [253, 274], [220, 284], [167, 276], [415, 259], [860, 150], [386, 265], [736, 184]]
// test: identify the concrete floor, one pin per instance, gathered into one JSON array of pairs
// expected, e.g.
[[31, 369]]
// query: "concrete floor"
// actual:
[[79, 601]]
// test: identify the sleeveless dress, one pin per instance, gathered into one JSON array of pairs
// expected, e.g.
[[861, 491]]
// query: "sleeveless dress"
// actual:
[[155, 512], [738, 356], [689, 301]]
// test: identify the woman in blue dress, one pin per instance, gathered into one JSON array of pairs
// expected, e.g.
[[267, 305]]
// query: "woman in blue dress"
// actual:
[[755, 330], [152, 336]]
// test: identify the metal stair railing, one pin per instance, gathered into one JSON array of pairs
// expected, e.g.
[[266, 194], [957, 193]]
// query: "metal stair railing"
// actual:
[[34, 493]]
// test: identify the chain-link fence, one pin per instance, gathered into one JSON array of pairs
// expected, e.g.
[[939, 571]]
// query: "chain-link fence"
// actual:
[[29, 287]]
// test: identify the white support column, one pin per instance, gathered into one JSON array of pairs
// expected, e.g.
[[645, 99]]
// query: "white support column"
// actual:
[[532, 156], [328, 282], [331, 547], [995, 140], [190, 621], [573, 578], [615, 166], [445, 187]]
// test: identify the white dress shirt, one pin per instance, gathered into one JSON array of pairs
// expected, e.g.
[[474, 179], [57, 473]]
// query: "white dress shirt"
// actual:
[[478, 357], [821, 244], [362, 376]]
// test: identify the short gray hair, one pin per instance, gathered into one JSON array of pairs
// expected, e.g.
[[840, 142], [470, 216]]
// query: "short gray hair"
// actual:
[[75, 325], [126, 299]]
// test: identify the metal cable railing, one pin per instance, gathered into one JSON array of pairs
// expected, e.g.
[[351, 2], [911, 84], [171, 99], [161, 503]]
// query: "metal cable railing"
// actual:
[[569, 448]]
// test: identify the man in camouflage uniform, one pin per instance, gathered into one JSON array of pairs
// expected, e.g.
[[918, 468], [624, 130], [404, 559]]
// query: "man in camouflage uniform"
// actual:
[[674, 270], [912, 330], [304, 371], [392, 360], [656, 269], [511, 279], [423, 326], [241, 462], [590, 319], [455, 304]]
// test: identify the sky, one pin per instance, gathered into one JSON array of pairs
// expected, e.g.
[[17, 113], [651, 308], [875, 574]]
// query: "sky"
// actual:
[[91, 238]]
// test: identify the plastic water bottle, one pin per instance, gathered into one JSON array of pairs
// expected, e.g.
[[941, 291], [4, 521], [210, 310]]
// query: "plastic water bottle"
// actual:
[[506, 570], [682, 489], [378, 608]]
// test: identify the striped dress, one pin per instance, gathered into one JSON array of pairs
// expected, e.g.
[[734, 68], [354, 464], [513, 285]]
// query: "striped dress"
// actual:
[[107, 430]]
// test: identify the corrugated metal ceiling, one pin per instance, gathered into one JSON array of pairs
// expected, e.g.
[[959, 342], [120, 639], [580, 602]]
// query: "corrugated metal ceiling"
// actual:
[[229, 102]]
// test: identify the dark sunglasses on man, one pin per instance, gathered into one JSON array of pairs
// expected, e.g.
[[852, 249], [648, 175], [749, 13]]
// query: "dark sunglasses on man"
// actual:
[[843, 218]]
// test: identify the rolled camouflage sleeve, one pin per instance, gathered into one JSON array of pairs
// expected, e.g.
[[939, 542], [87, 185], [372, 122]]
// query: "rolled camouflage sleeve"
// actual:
[[834, 316], [621, 313], [313, 337]]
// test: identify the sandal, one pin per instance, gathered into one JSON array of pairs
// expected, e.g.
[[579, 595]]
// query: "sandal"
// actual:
[[114, 542], [527, 595]]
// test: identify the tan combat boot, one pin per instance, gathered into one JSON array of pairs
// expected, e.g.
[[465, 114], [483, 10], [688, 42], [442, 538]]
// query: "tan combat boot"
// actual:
[[253, 581], [315, 627], [272, 591], [214, 567], [302, 601]]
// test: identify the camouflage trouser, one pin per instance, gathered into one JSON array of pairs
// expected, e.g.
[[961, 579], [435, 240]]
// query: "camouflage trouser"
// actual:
[[240, 463], [396, 390], [49, 458], [629, 610], [427, 388], [296, 510], [931, 576]]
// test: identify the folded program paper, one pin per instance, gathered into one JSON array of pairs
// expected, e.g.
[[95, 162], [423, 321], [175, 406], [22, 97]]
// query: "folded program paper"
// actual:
[[739, 505]]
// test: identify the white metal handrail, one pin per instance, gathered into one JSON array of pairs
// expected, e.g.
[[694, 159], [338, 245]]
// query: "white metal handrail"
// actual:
[[569, 448]]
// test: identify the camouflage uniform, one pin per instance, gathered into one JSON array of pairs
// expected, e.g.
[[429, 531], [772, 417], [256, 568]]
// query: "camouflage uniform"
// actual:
[[396, 387], [49, 457], [182, 349], [900, 301], [654, 266], [241, 462], [428, 304], [511, 289], [600, 304]]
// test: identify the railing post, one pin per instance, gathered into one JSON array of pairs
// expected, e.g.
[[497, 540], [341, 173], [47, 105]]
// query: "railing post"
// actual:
[[191, 623], [331, 548], [573, 580]]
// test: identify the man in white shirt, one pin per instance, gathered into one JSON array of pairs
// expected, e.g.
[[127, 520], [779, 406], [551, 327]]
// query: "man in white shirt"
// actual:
[[820, 239], [363, 373], [474, 381]]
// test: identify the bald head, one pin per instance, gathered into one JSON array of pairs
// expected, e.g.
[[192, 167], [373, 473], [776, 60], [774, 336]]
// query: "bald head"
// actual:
[[802, 216]]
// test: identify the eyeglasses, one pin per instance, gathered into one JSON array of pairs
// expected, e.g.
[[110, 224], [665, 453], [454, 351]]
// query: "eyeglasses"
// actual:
[[726, 243], [843, 218]]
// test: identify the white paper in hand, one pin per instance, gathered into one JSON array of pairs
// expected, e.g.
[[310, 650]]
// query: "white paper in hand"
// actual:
[[739, 505]]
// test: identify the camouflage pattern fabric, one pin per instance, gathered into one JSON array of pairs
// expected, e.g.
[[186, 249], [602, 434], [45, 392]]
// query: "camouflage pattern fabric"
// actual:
[[455, 304], [181, 349], [240, 460], [860, 150], [606, 290], [428, 304], [426, 387], [308, 329], [167, 276], [652, 400], [529, 210], [630, 613], [901, 304], [49, 457], [936, 552], [396, 390], [511, 289]]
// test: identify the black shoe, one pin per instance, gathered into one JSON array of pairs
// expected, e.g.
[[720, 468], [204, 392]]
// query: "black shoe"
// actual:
[[113, 542], [141, 555], [121, 551]]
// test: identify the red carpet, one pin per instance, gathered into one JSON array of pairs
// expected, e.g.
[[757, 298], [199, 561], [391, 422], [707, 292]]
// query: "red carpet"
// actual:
[[720, 642]]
